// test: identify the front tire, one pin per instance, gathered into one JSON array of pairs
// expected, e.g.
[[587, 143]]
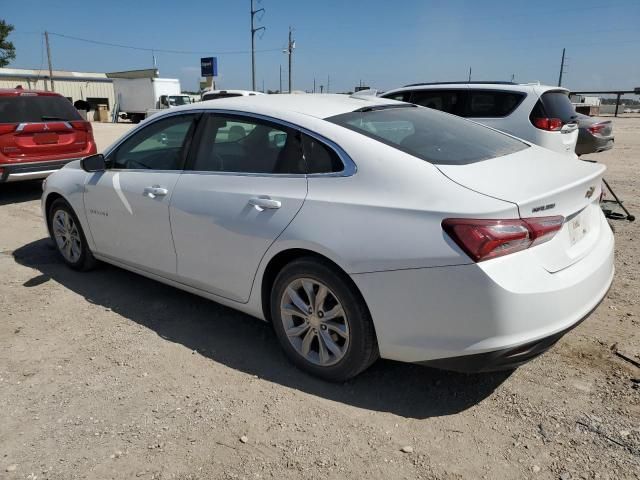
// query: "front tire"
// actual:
[[68, 236], [321, 320]]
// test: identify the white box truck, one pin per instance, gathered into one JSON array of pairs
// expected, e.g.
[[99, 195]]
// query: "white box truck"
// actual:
[[140, 97]]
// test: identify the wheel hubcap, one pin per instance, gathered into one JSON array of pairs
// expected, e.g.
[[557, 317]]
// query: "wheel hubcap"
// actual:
[[67, 236], [315, 322]]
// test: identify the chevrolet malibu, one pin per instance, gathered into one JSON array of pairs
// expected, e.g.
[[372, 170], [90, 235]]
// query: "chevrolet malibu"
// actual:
[[359, 227]]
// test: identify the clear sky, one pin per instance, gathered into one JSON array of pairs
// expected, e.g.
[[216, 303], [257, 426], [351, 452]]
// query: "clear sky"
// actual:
[[385, 44]]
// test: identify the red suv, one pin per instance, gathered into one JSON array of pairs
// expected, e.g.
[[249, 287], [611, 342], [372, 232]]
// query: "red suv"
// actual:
[[39, 133]]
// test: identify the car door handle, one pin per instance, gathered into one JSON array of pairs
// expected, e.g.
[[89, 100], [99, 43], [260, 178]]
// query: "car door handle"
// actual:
[[155, 191], [264, 203]]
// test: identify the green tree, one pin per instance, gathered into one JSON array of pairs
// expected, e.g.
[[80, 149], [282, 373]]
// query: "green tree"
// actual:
[[7, 50]]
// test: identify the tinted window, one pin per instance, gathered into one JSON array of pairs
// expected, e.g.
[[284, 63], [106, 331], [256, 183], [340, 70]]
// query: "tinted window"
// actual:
[[430, 135], [214, 96], [487, 103], [445, 100], [36, 108], [558, 105], [158, 146], [247, 145], [319, 158], [400, 96]]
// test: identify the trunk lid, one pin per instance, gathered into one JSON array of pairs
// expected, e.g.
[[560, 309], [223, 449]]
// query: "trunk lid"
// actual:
[[542, 183]]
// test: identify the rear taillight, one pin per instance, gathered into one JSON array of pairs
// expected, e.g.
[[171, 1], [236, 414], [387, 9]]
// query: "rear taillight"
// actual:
[[596, 128], [82, 125], [485, 239], [7, 128], [550, 124]]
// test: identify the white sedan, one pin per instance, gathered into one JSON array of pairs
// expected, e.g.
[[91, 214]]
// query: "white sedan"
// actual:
[[359, 227]]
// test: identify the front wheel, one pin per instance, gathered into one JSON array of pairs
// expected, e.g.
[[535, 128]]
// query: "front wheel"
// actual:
[[321, 320], [68, 236]]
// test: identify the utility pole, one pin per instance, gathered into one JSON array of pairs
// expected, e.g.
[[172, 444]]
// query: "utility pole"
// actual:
[[280, 91], [289, 51], [46, 39], [469, 73], [253, 44], [328, 83], [314, 84], [561, 69]]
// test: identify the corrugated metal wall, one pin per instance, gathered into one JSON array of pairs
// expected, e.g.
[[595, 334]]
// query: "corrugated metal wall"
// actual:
[[75, 89]]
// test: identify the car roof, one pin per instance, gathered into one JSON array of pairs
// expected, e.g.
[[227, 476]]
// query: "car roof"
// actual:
[[315, 105], [15, 92], [505, 86]]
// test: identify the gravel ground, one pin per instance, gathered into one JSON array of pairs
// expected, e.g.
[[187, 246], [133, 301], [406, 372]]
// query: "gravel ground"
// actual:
[[110, 375]]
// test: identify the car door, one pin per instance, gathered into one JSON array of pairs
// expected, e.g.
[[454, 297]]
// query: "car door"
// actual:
[[244, 183], [128, 204]]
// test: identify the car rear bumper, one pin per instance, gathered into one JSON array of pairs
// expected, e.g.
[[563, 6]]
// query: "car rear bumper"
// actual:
[[498, 313], [593, 144], [30, 170]]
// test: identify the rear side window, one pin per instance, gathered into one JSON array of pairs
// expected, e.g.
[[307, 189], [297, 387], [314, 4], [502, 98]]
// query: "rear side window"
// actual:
[[430, 135], [237, 144], [318, 157], [556, 104], [449, 101], [487, 103], [36, 108]]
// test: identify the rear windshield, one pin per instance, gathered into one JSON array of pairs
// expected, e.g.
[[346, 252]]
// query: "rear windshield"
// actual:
[[214, 96], [38, 108], [558, 105], [431, 135]]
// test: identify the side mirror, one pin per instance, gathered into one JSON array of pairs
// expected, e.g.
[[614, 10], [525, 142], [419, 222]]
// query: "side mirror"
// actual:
[[94, 163]]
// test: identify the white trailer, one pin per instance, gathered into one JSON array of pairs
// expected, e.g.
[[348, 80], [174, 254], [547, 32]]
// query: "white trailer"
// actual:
[[140, 97]]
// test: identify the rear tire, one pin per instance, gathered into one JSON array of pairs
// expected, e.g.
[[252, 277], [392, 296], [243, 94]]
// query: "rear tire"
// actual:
[[68, 236], [321, 320]]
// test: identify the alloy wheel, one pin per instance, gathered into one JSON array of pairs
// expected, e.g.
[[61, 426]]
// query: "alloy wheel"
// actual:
[[314, 321], [67, 236]]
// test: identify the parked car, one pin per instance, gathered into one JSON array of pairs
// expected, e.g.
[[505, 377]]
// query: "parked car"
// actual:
[[39, 133], [539, 114], [595, 135], [217, 94], [359, 227]]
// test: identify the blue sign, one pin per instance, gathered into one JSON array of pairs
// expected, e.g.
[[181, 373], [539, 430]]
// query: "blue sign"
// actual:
[[209, 67]]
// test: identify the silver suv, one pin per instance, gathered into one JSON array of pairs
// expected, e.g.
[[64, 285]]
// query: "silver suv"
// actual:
[[540, 114]]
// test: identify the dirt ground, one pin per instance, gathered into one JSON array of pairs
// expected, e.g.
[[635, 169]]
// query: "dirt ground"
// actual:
[[110, 375]]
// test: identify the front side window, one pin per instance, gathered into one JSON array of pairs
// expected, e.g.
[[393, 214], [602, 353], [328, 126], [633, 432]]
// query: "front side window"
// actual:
[[158, 146], [238, 144], [488, 104], [430, 135]]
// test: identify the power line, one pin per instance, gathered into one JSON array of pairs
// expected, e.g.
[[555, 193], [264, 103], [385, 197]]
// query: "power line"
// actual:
[[161, 50], [253, 41]]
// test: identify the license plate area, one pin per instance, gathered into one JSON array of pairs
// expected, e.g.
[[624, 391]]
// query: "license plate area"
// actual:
[[45, 138], [578, 227]]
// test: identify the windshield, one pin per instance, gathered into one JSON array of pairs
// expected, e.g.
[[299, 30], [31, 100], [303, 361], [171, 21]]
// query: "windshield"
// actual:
[[431, 135], [179, 100]]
